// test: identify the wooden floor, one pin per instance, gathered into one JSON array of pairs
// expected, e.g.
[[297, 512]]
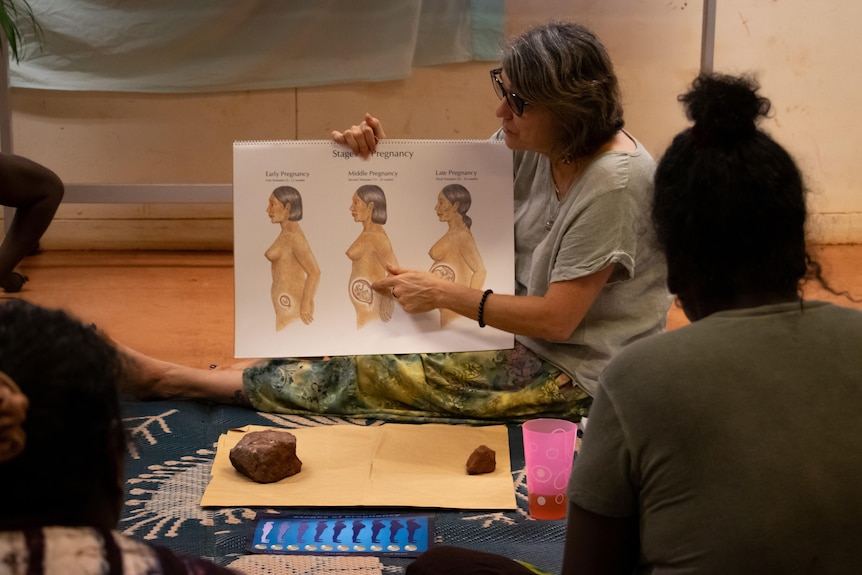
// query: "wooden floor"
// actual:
[[179, 306]]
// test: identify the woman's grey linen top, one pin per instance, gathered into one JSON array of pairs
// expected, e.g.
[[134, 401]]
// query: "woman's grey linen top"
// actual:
[[603, 219]]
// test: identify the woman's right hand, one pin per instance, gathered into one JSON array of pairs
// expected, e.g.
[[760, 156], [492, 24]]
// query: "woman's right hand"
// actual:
[[362, 138]]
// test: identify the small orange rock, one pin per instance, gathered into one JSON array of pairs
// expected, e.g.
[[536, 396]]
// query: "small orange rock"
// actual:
[[482, 460]]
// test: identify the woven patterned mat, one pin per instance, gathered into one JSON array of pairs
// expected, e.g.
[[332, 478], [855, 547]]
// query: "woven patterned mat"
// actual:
[[171, 450]]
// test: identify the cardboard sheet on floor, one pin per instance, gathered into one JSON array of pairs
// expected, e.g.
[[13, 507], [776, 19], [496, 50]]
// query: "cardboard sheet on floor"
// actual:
[[400, 465]]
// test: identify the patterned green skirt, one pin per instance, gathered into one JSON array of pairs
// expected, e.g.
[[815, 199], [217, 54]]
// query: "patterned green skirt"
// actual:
[[485, 386]]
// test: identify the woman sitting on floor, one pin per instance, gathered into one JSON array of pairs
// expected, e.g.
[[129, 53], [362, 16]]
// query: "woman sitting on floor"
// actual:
[[734, 444], [589, 277]]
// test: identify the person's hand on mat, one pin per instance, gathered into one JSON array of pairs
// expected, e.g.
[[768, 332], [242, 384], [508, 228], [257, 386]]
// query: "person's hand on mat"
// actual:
[[13, 412], [361, 138]]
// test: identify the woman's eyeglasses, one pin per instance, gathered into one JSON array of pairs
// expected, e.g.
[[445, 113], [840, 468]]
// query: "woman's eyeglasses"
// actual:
[[516, 103]]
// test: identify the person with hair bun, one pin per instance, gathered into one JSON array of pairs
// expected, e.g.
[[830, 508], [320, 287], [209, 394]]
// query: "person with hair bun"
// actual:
[[734, 444], [295, 273], [369, 253], [455, 254]]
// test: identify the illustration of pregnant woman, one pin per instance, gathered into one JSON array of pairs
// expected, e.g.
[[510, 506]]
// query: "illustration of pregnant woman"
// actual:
[[295, 273], [370, 253], [456, 256]]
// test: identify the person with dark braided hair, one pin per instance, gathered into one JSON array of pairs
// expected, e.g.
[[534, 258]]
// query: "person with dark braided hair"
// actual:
[[62, 446], [733, 444]]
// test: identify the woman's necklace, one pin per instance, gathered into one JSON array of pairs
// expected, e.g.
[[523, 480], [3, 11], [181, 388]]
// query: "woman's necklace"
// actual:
[[556, 198], [568, 172], [553, 207]]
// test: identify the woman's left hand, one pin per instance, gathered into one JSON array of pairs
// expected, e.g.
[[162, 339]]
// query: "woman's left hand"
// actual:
[[416, 291]]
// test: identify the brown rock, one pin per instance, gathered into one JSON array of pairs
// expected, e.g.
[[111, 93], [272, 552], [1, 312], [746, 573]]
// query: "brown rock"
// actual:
[[266, 456], [482, 460]]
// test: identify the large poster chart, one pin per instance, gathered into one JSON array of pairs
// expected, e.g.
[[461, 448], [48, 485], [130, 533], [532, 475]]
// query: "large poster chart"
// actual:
[[314, 226]]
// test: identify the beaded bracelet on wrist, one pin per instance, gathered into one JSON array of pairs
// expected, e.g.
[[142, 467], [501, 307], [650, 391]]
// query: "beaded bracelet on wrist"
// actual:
[[481, 315]]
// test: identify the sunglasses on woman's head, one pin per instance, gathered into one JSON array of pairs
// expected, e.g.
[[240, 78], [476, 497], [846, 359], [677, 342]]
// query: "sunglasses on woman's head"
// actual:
[[516, 103]]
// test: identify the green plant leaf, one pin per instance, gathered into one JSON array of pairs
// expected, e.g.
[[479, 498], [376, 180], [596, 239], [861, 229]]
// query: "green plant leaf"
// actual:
[[13, 13]]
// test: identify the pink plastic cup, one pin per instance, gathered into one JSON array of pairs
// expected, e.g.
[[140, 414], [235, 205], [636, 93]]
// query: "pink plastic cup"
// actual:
[[549, 447]]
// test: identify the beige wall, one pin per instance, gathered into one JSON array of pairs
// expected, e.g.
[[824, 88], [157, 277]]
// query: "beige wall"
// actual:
[[807, 69]]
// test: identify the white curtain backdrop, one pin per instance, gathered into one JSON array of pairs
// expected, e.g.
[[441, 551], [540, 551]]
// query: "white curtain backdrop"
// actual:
[[226, 45]]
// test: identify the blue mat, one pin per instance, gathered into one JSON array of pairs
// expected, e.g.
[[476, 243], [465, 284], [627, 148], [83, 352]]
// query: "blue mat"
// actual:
[[171, 450]]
